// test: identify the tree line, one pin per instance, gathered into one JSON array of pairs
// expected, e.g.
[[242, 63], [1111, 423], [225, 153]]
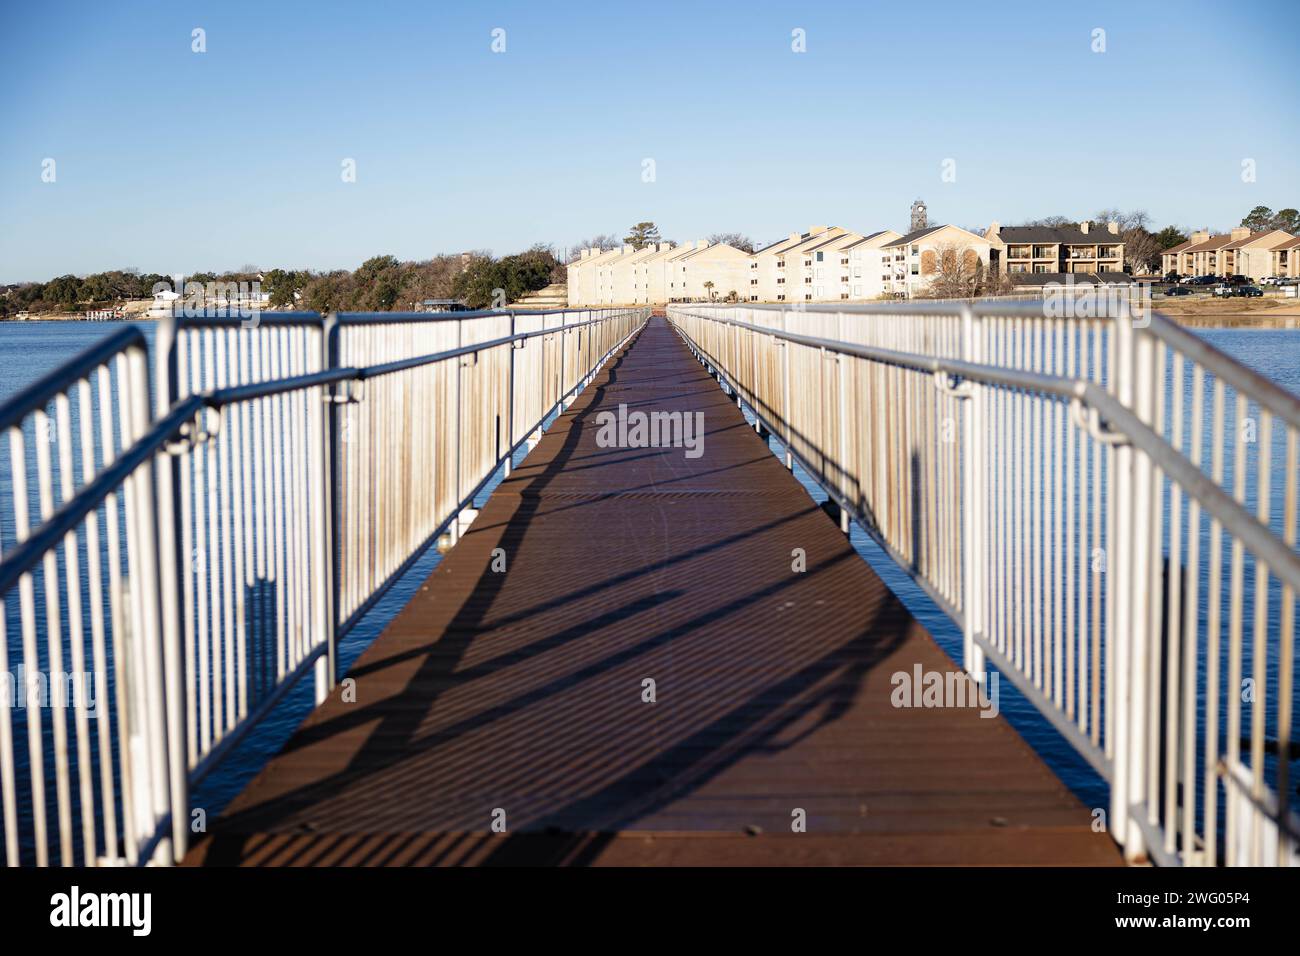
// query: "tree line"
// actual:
[[380, 284]]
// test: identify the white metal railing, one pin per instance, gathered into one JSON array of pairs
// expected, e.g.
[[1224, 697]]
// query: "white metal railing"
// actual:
[[190, 564], [1097, 502]]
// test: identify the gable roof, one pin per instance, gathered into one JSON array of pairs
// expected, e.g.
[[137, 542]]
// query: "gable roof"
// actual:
[[1208, 245], [1277, 234], [1064, 235], [869, 238], [912, 237]]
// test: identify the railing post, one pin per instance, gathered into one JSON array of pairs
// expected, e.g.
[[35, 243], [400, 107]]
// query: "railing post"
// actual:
[[841, 370], [156, 795], [454, 528], [328, 519], [974, 465], [168, 498], [1126, 629], [785, 411], [510, 403]]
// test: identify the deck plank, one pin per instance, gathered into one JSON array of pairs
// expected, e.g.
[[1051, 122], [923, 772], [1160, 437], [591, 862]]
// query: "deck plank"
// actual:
[[523, 691]]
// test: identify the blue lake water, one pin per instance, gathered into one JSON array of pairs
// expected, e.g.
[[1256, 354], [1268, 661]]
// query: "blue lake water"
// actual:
[[28, 350]]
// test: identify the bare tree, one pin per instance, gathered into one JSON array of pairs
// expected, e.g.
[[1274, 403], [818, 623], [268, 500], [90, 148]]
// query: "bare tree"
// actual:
[[602, 241], [735, 239], [1050, 222], [1141, 248], [958, 271]]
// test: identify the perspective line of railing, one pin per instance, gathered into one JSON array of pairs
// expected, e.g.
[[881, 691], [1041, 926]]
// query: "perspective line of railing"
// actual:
[[1066, 489], [194, 562]]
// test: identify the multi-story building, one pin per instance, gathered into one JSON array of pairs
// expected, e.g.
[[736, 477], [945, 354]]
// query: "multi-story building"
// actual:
[[785, 271], [1086, 248], [1176, 258], [711, 272], [911, 263], [586, 272], [1252, 255], [1286, 258], [864, 272], [1238, 252]]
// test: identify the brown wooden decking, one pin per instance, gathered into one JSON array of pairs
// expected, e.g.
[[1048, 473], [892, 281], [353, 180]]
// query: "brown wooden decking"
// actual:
[[522, 691]]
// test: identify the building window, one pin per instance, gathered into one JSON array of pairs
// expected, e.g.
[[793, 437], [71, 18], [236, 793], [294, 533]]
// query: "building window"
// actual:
[[844, 295], [857, 290], [819, 257], [807, 298], [780, 280], [780, 298]]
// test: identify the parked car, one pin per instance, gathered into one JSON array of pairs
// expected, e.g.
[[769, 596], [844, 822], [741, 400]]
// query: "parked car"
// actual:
[[1237, 280], [1270, 280], [1223, 289], [1249, 291], [1205, 280], [1187, 280], [1178, 290], [1172, 277]]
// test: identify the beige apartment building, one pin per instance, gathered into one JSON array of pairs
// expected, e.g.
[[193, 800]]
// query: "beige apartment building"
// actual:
[[657, 274], [1238, 252], [821, 264], [778, 271], [1252, 256], [1087, 248], [910, 263], [834, 264], [1286, 258]]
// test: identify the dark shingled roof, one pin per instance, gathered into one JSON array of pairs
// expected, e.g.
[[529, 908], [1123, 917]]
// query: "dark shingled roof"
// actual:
[[911, 237], [1069, 235]]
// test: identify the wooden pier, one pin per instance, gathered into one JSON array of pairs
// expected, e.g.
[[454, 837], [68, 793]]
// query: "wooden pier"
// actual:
[[518, 698]]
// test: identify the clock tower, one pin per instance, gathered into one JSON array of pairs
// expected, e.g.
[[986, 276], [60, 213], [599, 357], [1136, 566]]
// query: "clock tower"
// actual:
[[920, 220]]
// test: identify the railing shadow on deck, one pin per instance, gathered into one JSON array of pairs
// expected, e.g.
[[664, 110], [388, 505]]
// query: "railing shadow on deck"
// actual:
[[713, 742]]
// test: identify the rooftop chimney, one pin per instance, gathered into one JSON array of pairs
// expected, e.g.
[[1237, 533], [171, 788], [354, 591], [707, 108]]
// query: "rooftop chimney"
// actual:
[[1241, 232], [1200, 235], [627, 249], [1113, 228], [1085, 226]]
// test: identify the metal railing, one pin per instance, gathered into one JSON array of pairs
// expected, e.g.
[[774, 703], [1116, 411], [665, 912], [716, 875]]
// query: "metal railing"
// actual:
[[187, 567], [1105, 505]]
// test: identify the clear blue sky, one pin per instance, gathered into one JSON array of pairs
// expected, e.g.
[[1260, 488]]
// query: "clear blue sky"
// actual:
[[172, 161]]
